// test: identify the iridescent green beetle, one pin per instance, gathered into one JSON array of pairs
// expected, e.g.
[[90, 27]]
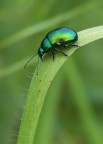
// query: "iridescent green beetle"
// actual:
[[55, 40]]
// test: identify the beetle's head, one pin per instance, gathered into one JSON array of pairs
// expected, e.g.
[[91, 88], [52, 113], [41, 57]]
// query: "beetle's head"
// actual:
[[41, 52]]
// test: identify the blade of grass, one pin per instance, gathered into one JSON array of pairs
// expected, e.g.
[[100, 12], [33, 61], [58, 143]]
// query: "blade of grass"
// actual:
[[93, 133], [41, 83], [48, 115], [46, 24]]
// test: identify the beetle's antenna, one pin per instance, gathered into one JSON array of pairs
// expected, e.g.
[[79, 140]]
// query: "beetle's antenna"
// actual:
[[30, 60]]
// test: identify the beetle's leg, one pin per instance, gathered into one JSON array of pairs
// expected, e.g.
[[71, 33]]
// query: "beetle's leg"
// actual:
[[66, 45], [75, 46], [53, 54], [41, 59], [61, 52], [37, 66]]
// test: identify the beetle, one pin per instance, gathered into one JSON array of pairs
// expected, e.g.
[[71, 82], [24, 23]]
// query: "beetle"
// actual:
[[55, 40]]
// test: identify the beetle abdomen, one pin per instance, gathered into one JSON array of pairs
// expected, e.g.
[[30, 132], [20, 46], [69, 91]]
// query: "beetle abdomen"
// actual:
[[62, 36]]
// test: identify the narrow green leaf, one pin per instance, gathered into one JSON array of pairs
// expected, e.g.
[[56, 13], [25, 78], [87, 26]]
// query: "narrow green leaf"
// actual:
[[41, 83]]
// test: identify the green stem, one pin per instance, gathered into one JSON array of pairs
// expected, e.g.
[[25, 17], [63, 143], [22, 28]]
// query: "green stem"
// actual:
[[41, 83], [49, 112]]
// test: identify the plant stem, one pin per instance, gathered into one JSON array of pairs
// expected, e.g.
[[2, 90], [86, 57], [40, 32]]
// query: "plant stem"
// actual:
[[41, 83]]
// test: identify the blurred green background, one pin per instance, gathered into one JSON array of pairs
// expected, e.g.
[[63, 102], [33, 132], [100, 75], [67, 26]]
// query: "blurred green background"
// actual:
[[73, 109]]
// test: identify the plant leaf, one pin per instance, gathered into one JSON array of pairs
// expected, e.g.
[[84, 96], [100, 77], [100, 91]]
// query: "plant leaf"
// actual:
[[41, 83]]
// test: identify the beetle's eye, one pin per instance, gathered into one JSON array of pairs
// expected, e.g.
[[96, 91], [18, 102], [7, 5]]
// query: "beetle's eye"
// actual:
[[41, 50]]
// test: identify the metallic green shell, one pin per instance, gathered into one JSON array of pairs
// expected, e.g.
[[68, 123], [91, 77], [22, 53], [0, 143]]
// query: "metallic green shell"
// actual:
[[57, 38], [62, 35]]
